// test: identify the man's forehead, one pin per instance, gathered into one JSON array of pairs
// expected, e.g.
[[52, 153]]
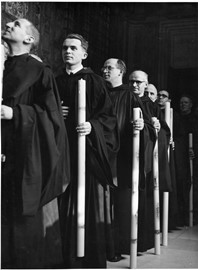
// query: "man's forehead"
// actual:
[[151, 89], [163, 92], [185, 99], [138, 74], [111, 61], [72, 41]]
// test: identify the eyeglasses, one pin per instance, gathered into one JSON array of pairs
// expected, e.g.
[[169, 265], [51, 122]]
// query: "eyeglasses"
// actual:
[[136, 81], [109, 68], [162, 95]]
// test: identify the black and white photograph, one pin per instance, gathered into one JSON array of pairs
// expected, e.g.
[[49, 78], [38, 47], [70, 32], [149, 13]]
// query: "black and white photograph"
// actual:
[[99, 135]]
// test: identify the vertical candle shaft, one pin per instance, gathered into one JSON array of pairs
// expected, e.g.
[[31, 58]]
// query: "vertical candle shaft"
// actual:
[[81, 171]]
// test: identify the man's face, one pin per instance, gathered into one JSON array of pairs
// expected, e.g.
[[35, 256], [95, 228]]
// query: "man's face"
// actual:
[[162, 97], [16, 31], [110, 71], [151, 92], [185, 105], [72, 52], [138, 82]]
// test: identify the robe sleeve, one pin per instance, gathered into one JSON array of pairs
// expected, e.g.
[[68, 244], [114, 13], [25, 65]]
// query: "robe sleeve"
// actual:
[[42, 146], [103, 142]]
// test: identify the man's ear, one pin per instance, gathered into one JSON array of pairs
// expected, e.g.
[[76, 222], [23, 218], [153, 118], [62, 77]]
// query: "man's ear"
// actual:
[[29, 39], [121, 73], [85, 55]]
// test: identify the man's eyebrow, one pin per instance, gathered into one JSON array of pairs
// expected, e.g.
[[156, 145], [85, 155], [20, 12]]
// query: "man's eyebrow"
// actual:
[[71, 46]]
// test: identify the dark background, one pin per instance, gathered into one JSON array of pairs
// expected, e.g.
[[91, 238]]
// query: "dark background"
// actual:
[[159, 38]]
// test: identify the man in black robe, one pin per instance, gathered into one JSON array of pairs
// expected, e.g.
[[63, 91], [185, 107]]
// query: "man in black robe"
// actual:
[[151, 92], [124, 101], [35, 167], [101, 134], [138, 80], [163, 97], [185, 122]]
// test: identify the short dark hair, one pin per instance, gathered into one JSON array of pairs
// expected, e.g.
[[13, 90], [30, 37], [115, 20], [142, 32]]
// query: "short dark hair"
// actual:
[[121, 65], [35, 33], [84, 42]]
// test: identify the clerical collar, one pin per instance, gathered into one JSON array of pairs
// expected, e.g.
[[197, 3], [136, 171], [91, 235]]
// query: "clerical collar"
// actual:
[[74, 70], [17, 56]]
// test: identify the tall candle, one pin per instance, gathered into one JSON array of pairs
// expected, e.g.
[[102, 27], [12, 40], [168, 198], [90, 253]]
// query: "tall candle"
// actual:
[[81, 171]]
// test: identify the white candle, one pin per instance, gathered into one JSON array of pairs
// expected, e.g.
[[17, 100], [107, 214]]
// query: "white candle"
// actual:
[[191, 188], [166, 194], [190, 140], [135, 192], [81, 171], [156, 196], [167, 113], [2, 68]]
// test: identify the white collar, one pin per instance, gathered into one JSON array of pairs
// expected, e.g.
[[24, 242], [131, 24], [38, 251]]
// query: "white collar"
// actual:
[[74, 70]]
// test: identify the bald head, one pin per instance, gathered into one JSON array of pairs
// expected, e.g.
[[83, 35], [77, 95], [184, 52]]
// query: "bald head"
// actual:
[[151, 92], [139, 73], [138, 80]]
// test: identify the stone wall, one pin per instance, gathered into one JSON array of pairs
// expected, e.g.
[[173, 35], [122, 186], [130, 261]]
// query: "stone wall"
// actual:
[[55, 20]]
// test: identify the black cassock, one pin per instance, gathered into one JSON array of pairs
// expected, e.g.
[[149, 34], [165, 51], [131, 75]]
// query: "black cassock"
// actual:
[[173, 203], [36, 168], [183, 125], [166, 164], [153, 110], [124, 101], [101, 147]]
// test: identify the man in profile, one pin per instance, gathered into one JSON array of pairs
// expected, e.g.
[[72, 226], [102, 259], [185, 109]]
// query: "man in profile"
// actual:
[[151, 92], [138, 80], [163, 97], [35, 168], [124, 101]]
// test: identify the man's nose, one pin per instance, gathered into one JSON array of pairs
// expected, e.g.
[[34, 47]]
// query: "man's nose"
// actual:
[[104, 69], [9, 25], [134, 83], [68, 50]]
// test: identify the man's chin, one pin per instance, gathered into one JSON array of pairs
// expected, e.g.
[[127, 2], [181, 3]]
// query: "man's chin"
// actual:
[[68, 61], [4, 37], [136, 92]]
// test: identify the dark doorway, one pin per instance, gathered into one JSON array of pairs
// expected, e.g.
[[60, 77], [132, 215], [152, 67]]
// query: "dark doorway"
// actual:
[[180, 81]]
